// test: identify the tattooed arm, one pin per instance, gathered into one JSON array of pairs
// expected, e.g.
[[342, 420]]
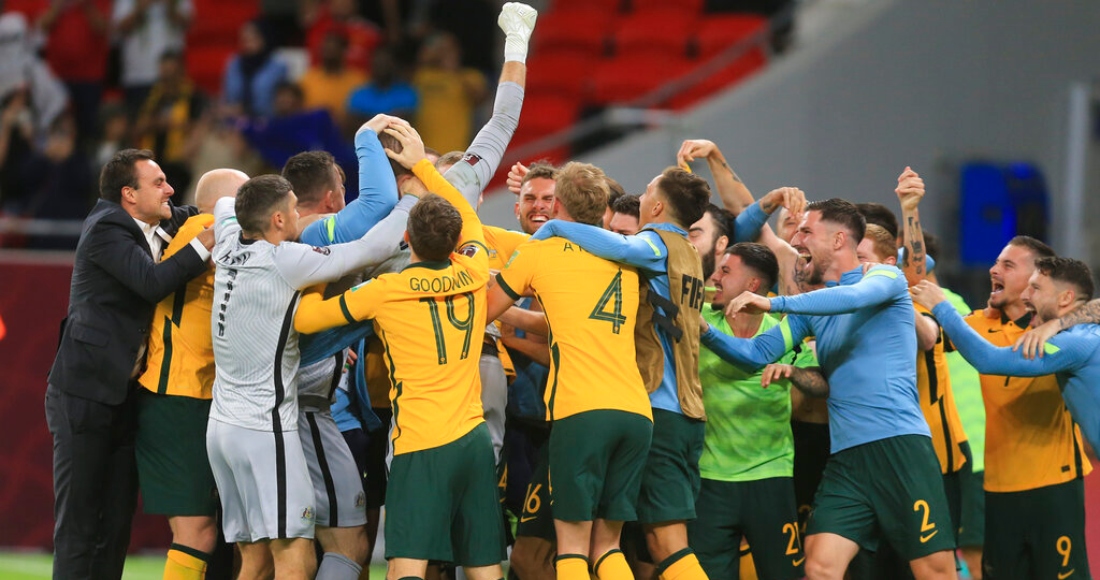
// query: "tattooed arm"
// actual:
[[735, 196], [910, 190], [809, 380], [1033, 342]]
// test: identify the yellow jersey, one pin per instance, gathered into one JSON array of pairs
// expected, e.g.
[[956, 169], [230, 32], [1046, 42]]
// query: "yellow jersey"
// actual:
[[1030, 439], [180, 357], [937, 402], [502, 244], [430, 318], [591, 307]]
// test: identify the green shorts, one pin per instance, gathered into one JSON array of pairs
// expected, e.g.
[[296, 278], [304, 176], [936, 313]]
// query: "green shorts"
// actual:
[[891, 487], [442, 504], [536, 520], [1038, 533], [596, 462], [972, 522], [762, 511], [670, 484], [173, 468]]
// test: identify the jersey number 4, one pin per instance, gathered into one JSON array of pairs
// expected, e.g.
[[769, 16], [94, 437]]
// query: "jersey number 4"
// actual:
[[465, 325], [613, 296]]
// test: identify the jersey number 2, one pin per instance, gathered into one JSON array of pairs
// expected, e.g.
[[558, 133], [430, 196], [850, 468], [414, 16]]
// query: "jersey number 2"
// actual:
[[612, 295], [466, 325]]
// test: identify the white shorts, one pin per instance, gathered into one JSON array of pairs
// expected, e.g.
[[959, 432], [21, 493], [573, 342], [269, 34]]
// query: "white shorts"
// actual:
[[263, 482], [337, 484]]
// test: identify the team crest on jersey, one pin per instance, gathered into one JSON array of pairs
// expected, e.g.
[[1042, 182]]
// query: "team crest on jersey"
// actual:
[[307, 514], [360, 500], [322, 251], [471, 159]]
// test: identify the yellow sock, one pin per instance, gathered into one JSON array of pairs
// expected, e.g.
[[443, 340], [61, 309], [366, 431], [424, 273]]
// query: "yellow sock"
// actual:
[[185, 564], [682, 565], [571, 567], [613, 566]]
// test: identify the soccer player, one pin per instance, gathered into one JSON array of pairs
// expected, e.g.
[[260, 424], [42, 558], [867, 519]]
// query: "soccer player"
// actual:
[[1033, 455], [748, 452], [668, 354], [173, 407], [1057, 287], [936, 401], [600, 437], [252, 438], [1023, 409], [624, 215], [873, 411], [441, 498]]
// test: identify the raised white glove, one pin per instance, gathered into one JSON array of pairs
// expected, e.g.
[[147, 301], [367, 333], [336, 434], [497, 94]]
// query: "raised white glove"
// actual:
[[517, 20]]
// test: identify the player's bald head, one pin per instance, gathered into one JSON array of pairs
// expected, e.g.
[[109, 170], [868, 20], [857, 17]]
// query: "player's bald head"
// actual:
[[216, 184]]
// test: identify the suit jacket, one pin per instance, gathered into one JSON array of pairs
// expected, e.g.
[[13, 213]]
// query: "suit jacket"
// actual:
[[115, 288]]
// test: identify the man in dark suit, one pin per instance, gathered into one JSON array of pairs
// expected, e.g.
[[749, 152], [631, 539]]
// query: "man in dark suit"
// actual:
[[118, 279]]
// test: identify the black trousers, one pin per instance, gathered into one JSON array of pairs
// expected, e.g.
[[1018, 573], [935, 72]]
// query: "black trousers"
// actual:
[[94, 482]]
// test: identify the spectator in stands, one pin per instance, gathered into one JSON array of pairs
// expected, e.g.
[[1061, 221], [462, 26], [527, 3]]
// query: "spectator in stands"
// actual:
[[146, 29], [473, 26], [169, 120], [114, 130], [328, 85], [16, 141], [292, 129], [342, 17], [58, 180], [77, 38], [386, 94], [252, 75], [284, 19], [448, 94]]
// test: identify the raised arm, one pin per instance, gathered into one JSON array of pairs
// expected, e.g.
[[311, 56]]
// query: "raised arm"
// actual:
[[734, 194], [644, 250], [910, 191], [879, 285], [750, 355], [302, 265], [749, 223], [472, 173], [377, 193]]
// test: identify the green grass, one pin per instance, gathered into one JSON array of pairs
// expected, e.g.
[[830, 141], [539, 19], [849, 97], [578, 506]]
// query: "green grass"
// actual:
[[38, 566]]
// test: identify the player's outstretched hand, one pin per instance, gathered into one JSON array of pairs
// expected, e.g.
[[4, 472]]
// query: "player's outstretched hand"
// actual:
[[791, 198], [1035, 340], [927, 294], [749, 303], [910, 189], [517, 20], [412, 146], [515, 177], [693, 149], [775, 372]]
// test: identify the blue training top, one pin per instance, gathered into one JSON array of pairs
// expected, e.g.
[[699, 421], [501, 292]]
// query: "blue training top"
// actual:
[[866, 344], [1073, 357], [647, 252]]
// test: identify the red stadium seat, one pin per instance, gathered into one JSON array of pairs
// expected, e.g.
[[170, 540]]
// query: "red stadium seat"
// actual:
[[655, 32], [728, 76], [206, 65], [719, 32], [583, 30], [607, 6], [689, 6], [544, 115], [219, 23], [561, 73], [628, 77]]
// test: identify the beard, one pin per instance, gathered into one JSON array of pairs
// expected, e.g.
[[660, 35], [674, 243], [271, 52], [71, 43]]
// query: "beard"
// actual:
[[708, 264]]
